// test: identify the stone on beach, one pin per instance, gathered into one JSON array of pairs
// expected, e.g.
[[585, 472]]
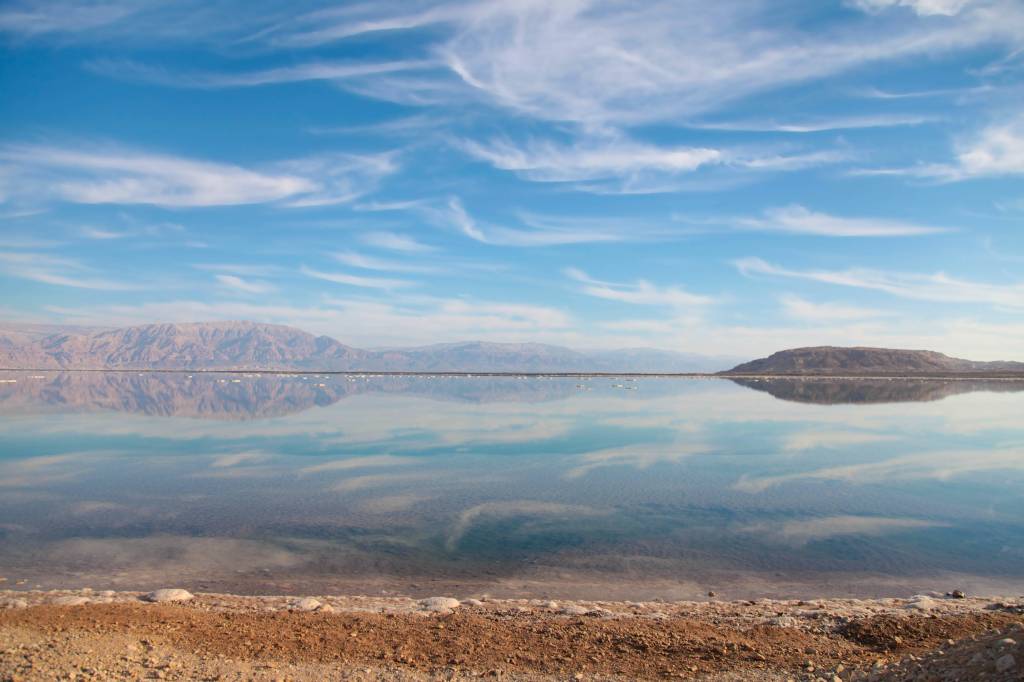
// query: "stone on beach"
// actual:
[[440, 604], [168, 594], [308, 604], [922, 603], [575, 610]]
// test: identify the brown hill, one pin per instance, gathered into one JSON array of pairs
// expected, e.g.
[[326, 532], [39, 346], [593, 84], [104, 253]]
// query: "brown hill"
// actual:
[[207, 345], [859, 361]]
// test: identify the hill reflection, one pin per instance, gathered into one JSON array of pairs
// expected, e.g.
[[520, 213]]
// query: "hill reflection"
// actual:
[[840, 391]]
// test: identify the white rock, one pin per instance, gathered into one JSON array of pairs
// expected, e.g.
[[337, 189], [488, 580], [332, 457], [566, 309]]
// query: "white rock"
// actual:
[[551, 605], [922, 604], [168, 594], [785, 621], [71, 600], [1005, 663], [575, 610], [308, 604], [325, 608], [16, 604], [1007, 642], [439, 603], [473, 602]]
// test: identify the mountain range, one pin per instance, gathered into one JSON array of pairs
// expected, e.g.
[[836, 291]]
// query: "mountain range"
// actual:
[[254, 346], [250, 345]]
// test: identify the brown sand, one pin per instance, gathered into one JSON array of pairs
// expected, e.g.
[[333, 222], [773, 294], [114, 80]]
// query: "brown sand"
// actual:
[[223, 637]]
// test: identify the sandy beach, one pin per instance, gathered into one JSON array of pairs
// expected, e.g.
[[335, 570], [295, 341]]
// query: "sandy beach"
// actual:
[[87, 635]]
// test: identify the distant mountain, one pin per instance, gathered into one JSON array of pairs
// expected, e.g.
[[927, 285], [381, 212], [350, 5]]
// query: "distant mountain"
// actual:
[[253, 346], [825, 360], [212, 345], [481, 356]]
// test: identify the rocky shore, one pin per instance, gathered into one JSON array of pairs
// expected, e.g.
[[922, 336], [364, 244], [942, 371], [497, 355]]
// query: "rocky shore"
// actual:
[[172, 634]]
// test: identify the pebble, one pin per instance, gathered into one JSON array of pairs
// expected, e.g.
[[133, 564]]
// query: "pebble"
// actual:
[[308, 604], [473, 602], [71, 600], [575, 610], [1007, 642], [551, 605], [326, 608], [958, 594], [168, 594], [440, 604]]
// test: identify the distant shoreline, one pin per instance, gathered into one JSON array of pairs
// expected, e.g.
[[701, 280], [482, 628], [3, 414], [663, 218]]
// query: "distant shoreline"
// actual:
[[1012, 376]]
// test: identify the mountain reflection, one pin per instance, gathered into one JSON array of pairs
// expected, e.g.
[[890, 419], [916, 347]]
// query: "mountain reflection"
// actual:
[[840, 391], [240, 397], [250, 396]]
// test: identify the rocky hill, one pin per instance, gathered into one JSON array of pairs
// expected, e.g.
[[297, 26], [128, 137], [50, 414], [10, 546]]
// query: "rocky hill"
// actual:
[[252, 346], [209, 345], [854, 361]]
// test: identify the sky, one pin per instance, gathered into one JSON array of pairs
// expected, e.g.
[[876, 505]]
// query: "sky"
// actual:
[[727, 178]]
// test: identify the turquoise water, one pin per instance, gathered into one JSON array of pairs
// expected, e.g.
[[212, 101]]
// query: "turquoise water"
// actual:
[[600, 487]]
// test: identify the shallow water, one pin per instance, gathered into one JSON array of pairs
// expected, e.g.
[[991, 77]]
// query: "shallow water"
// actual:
[[564, 487]]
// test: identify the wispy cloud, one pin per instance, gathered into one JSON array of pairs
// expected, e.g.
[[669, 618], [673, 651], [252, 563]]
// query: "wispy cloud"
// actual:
[[394, 241], [101, 234], [996, 150], [801, 309], [313, 71], [922, 7], [29, 18], [797, 219], [616, 165], [550, 233], [365, 262], [941, 465], [640, 292], [107, 175], [817, 439], [608, 63], [550, 162], [818, 125], [938, 287], [799, 533], [50, 269], [356, 280], [595, 62], [236, 283], [244, 269]]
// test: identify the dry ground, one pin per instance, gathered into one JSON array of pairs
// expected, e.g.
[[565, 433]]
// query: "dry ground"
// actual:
[[222, 637]]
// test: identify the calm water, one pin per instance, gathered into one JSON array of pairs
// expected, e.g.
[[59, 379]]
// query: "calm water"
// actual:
[[511, 486]]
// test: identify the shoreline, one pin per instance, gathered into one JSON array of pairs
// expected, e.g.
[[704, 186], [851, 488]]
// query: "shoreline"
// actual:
[[120, 635]]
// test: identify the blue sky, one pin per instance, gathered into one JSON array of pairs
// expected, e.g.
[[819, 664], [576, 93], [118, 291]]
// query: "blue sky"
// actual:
[[723, 178]]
